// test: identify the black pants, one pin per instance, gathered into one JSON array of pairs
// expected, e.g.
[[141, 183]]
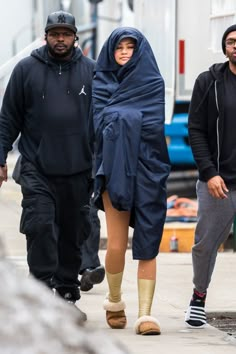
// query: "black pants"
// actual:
[[55, 220], [90, 248]]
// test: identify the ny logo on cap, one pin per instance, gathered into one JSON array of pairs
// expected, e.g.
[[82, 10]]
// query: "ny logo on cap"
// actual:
[[61, 19]]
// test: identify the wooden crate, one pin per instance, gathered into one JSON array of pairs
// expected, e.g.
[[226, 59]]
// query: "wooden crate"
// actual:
[[184, 232]]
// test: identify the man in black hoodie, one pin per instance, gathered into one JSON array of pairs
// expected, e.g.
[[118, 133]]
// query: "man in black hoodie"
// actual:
[[211, 132], [47, 102]]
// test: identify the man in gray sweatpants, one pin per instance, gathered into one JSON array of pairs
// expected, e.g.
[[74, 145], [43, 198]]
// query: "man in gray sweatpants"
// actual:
[[211, 132]]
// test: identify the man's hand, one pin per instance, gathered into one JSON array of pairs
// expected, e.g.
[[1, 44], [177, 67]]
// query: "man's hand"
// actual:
[[217, 187], [3, 174]]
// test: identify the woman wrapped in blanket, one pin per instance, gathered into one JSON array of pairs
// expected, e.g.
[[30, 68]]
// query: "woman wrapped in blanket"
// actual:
[[132, 166]]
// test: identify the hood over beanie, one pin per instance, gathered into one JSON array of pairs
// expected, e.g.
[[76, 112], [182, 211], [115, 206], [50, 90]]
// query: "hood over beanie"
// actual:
[[140, 70], [138, 80], [61, 19], [232, 28]]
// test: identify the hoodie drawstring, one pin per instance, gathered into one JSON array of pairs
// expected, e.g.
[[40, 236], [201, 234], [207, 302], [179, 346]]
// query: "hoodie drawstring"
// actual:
[[45, 77], [69, 79]]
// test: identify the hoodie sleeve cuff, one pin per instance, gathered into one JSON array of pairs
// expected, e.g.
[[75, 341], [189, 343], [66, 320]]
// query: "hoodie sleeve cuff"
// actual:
[[209, 173], [2, 162]]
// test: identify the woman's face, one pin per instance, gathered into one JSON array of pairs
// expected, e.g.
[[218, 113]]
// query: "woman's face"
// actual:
[[124, 50]]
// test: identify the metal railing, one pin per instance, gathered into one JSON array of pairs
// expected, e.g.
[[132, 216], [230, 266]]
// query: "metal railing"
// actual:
[[6, 69], [88, 40]]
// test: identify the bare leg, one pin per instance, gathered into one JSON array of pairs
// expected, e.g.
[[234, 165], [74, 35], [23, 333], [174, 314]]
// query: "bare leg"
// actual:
[[117, 239], [117, 233], [147, 269]]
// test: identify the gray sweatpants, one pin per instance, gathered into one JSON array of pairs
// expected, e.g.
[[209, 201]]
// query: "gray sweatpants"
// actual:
[[215, 218]]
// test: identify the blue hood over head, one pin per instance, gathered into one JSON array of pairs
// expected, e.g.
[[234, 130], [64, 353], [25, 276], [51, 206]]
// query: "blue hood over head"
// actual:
[[139, 79]]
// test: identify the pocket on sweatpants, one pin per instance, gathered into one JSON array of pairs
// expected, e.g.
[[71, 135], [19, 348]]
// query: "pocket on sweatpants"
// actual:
[[85, 222], [28, 222]]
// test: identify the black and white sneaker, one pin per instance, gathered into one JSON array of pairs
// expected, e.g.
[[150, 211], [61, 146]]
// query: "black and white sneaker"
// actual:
[[195, 316]]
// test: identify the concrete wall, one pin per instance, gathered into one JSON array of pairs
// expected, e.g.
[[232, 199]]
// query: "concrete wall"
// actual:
[[15, 26]]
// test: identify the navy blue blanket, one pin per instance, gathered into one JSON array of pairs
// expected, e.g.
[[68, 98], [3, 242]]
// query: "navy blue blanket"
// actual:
[[132, 162], [138, 87]]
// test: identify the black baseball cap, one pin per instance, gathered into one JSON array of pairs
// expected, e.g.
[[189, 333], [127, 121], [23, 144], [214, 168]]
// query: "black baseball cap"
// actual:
[[61, 19]]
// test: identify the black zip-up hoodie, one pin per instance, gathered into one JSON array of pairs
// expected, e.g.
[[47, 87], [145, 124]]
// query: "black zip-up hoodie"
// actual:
[[48, 103], [206, 120]]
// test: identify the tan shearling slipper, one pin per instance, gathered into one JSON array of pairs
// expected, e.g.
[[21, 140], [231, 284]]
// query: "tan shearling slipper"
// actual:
[[116, 320], [147, 325], [115, 314]]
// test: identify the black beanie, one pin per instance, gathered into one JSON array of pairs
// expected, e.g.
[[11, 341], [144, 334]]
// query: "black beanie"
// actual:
[[230, 29]]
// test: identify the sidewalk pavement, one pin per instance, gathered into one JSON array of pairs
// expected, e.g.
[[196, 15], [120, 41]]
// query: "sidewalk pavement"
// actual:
[[173, 292]]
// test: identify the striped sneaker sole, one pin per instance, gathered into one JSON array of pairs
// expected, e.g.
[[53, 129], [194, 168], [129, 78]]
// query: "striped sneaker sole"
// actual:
[[195, 317]]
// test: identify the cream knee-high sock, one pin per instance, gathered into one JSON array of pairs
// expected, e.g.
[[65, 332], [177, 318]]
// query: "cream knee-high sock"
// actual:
[[114, 283], [146, 288]]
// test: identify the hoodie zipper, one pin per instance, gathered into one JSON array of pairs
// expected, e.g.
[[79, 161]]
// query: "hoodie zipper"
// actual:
[[217, 130], [59, 69]]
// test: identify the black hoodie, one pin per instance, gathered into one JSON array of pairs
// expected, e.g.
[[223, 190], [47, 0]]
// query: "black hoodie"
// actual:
[[206, 125], [48, 103]]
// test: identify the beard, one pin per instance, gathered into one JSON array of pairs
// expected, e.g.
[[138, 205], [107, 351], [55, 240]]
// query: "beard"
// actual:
[[232, 58], [60, 54]]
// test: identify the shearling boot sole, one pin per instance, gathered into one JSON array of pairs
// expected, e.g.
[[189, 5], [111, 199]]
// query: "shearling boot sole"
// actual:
[[116, 320]]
